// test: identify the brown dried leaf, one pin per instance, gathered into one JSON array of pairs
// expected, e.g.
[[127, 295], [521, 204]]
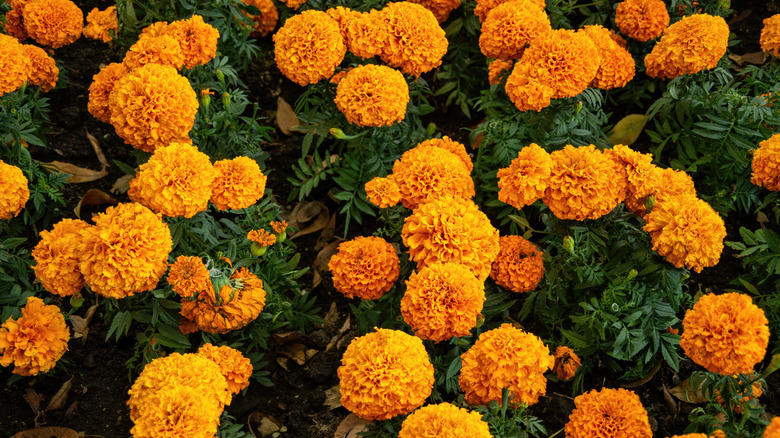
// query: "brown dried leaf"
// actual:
[[94, 197], [59, 399], [316, 225], [333, 397], [71, 409], [671, 403], [321, 261], [285, 117], [333, 314], [293, 350], [689, 391], [77, 174], [264, 425], [755, 58], [286, 337], [49, 432], [326, 234], [351, 426], [96, 146], [122, 184], [81, 325], [308, 212], [33, 399]]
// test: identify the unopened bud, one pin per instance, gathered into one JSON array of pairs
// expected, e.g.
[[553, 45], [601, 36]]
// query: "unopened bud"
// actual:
[[338, 133], [220, 77], [579, 108], [774, 365], [649, 203], [632, 274], [568, 243], [257, 250], [76, 301], [226, 100]]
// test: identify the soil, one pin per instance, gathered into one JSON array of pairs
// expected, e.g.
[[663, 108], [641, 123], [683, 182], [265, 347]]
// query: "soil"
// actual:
[[96, 369]]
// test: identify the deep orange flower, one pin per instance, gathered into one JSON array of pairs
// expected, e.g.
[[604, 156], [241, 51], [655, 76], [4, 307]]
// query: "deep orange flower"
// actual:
[[617, 66], [57, 258], [99, 91], [415, 41], [198, 40], [364, 267], [505, 357], [15, 192], [671, 183], [265, 23], [14, 24], [384, 374], [444, 420], [34, 342], [365, 34], [239, 183], [510, 27], [616, 413], [642, 177], [176, 181], [383, 192], [498, 70], [773, 430], [766, 164], [279, 227], [453, 146], [155, 29], [485, 6], [519, 266], [261, 237], [293, 4], [441, 8], [161, 50], [529, 88], [234, 366], [373, 95], [770, 35], [15, 64], [726, 334], [309, 47], [54, 23], [566, 363], [44, 70], [691, 435], [189, 276], [99, 23], [642, 20], [526, 178]]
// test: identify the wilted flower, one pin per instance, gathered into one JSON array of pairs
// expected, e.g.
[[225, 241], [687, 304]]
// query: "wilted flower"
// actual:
[[510, 27], [15, 64], [99, 91], [384, 374], [54, 23], [415, 41], [441, 8], [198, 40], [509, 358], [309, 47], [766, 164], [373, 95], [616, 413], [617, 66], [57, 258], [239, 183], [526, 178], [265, 23], [519, 266], [189, 276], [444, 420], [726, 334], [383, 192], [15, 192], [485, 6], [99, 23], [364, 267], [279, 227], [161, 49], [642, 20], [44, 69], [235, 367], [498, 70], [34, 342], [566, 363]]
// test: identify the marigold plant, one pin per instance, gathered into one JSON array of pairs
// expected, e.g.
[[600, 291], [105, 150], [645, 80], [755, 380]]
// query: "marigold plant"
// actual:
[[261, 237], [773, 430], [617, 66], [453, 146], [510, 27], [234, 366], [15, 63], [616, 413], [265, 23], [519, 266], [364, 267], [198, 40], [99, 91], [34, 342], [188, 276], [485, 6], [365, 34], [239, 183], [383, 192], [43, 70], [726, 334], [384, 374], [444, 420], [505, 357], [416, 43], [15, 191], [54, 23], [642, 20], [566, 363], [770, 35], [293, 4], [441, 8], [373, 95], [101, 23], [176, 411], [57, 258], [308, 47], [161, 50], [526, 178], [766, 164]]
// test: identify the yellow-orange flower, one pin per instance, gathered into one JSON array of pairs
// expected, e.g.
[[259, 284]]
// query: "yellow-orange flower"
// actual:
[[691, 435], [99, 91], [687, 231], [126, 252], [519, 266], [279, 227], [505, 357], [773, 430], [485, 6], [261, 237], [766, 164], [384, 374], [57, 258], [453, 146], [444, 420], [234, 366], [189, 276], [14, 24], [770, 35], [637, 169], [509, 27], [498, 70], [671, 183], [526, 178], [364, 267], [695, 43], [293, 4], [309, 47], [383, 192], [529, 88], [616, 413], [15, 192], [373, 95], [54, 23], [155, 29], [161, 49], [442, 301], [726, 334], [265, 23], [365, 34], [34, 342], [153, 106], [415, 41], [99, 23], [642, 20], [44, 69], [441, 8], [15, 64], [617, 66], [176, 181], [198, 40], [566, 363], [239, 183]]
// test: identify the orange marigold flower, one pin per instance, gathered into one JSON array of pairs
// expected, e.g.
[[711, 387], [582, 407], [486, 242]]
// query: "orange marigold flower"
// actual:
[[637, 169], [153, 106], [57, 258], [99, 91], [453, 146], [429, 171], [770, 35], [176, 181], [509, 27], [15, 191], [279, 227], [309, 47], [383, 192], [718, 434], [125, 252], [498, 70], [441, 8], [99, 23], [239, 183], [584, 184], [773, 430], [155, 29], [189, 276], [15, 64], [766, 164], [526, 178], [54, 23], [364, 267], [451, 229], [691, 435], [616, 413], [14, 24], [293, 4], [485, 6], [695, 43], [34, 342], [161, 49], [384, 374], [642, 20], [373, 95], [415, 41], [687, 231], [265, 23], [198, 40], [519, 266], [442, 301], [234, 366], [444, 419], [726, 334], [617, 66], [505, 357], [566, 363], [529, 89], [365, 34], [261, 237], [44, 69], [671, 183]]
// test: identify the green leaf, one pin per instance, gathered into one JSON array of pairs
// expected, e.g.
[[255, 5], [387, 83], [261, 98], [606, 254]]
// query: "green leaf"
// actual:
[[628, 129]]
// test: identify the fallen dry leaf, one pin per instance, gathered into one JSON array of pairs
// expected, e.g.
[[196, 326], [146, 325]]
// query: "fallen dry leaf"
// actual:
[[333, 397], [293, 350], [309, 211], [59, 399], [627, 130], [96, 147], [321, 262], [755, 58], [49, 432], [351, 426], [263, 425], [122, 184], [326, 234], [77, 174], [689, 391], [94, 197], [81, 325], [71, 409], [316, 225], [332, 316], [285, 117], [33, 399]]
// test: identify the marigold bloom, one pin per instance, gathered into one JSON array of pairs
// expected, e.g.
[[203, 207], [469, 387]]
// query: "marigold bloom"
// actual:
[[125, 252], [15, 64], [485, 6], [383, 192], [416, 43], [511, 26], [364, 267], [519, 266], [234, 366], [770, 35], [441, 8], [176, 181], [428, 171], [444, 419], [34, 342], [279, 227], [261, 237], [566, 363], [153, 106], [161, 50], [528, 88], [726, 334], [155, 29], [293, 4], [15, 192], [176, 411], [309, 47], [609, 412], [57, 258], [198, 40], [695, 43], [239, 183], [188, 276], [265, 23], [584, 184], [99, 91], [498, 70], [691, 435], [526, 178], [687, 231], [99, 23], [373, 95], [671, 183], [453, 146], [505, 357], [365, 34], [14, 26], [766, 164], [642, 177], [773, 430], [384, 374], [44, 69], [617, 66], [54, 23], [642, 20]]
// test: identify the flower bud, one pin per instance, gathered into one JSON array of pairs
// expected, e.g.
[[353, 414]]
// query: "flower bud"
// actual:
[[76, 301], [205, 98], [649, 203], [338, 133], [220, 77], [257, 250], [568, 243], [226, 100]]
